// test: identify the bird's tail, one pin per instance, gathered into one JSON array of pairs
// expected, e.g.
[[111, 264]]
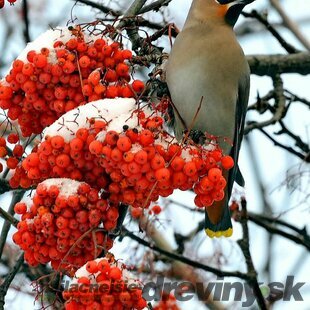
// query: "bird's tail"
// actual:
[[222, 228]]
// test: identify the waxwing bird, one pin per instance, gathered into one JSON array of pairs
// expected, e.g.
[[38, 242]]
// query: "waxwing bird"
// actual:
[[208, 72]]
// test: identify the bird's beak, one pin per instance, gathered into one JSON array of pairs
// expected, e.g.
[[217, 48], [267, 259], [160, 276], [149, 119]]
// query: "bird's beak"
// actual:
[[243, 2]]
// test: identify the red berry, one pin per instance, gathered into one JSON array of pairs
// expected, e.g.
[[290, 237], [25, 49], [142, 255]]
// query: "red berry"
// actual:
[[115, 273], [20, 208], [138, 86], [214, 174], [227, 162], [92, 266]]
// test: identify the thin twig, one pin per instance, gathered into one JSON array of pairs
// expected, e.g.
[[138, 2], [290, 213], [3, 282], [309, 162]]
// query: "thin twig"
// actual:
[[303, 240], [298, 141], [26, 21], [290, 24], [17, 196], [218, 272], [244, 244], [288, 47], [4, 186], [305, 157], [8, 217], [8, 280], [279, 107], [258, 219], [155, 6], [100, 7]]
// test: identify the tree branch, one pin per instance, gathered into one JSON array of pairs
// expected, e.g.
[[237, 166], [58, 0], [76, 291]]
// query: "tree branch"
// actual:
[[277, 64], [244, 244], [218, 272], [155, 6], [178, 269], [8, 217], [288, 47], [305, 157], [4, 186], [303, 240], [26, 21], [291, 25], [7, 282], [100, 7], [279, 107], [17, 196]]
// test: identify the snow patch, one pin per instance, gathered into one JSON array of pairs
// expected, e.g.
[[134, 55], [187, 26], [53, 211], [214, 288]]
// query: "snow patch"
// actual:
[[109, 110], [186, 155], [28, 201], [48, 38], [127, 276], [66, 186]]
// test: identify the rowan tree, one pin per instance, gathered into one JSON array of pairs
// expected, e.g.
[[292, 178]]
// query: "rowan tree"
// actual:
[[89, 166]]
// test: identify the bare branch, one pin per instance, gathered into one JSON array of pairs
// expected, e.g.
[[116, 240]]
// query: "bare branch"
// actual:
[[17, 196], [218, 272], [291, 25], [26, 21], [279, 107], [288, 47], [155, 6], [8, 217], [102, 8], [303, 240], [298, 141], [4, 186], [7, 282], [244, 244], [276, 64], [305, 157]]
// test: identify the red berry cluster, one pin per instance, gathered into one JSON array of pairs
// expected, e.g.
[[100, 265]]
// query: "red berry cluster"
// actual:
[[62, 224], [12, 159], [52, 81], [136, 213], [135, 166], [168, 302], [2, 3], [56, 158], [103, 284], [146, 163], [211, 187]]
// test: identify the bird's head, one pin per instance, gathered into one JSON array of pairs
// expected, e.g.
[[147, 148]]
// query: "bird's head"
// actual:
[[232, 9], [214, 12]]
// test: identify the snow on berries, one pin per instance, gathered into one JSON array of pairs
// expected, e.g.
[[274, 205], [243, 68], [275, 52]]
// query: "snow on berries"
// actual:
[[66, 147], [62, 69], [145, 162], [104, 283], [63, 224], [114, 145]]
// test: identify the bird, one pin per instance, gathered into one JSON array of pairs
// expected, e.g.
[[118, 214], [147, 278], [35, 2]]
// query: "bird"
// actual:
[[208, 78]]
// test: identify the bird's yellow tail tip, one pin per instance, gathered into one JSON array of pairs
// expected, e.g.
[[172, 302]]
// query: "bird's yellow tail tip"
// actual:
[[220, 233]]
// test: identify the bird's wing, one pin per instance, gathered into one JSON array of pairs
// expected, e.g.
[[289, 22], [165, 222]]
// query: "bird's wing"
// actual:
[[241, 108], [224, 226]]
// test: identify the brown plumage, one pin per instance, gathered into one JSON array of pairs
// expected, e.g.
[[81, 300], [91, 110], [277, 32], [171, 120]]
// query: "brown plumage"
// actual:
[[207, 66]]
